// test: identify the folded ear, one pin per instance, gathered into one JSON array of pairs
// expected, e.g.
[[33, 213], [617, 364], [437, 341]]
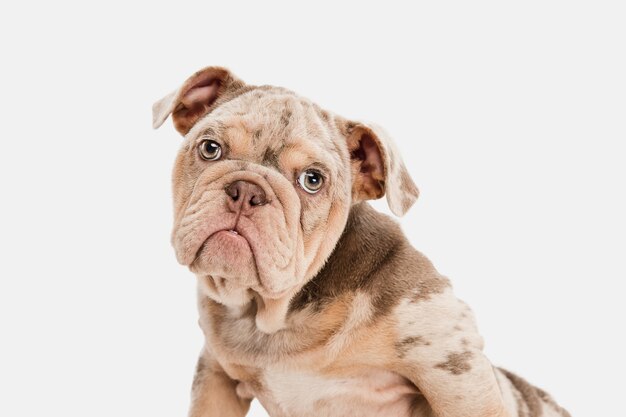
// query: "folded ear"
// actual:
[[195, 98], [377, 168]]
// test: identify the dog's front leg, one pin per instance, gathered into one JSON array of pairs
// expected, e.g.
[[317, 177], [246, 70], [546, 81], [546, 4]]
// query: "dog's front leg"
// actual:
[[439, 349], [213, 393], [463, 386]]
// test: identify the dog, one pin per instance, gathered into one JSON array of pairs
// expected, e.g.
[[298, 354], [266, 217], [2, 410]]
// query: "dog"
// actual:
[[309, 299]]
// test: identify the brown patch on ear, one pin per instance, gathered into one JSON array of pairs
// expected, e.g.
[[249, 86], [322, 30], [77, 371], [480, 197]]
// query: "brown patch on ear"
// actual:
[[197, 97], [368, 166], [377, 168]]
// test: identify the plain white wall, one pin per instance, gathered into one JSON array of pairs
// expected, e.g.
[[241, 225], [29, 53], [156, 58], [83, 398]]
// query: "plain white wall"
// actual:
[[510, 117]]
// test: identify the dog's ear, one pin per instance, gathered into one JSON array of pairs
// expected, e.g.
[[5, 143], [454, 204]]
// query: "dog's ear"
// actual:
[[195, 98], [377, 168]]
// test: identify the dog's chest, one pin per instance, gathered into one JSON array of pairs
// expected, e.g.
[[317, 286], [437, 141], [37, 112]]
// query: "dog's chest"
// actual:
[[367, 393]]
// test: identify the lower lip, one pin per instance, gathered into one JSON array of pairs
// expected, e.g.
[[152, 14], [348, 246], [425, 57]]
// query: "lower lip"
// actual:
[[230, 234]]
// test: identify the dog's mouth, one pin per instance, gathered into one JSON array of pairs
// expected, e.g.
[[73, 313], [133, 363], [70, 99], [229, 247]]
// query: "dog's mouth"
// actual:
[[228, 255], [228, 239], [229, 232]]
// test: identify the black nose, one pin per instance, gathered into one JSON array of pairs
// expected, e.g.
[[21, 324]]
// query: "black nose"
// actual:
[[245, 193]]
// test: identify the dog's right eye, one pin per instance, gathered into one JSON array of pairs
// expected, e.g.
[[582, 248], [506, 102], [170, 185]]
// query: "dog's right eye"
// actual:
[[210, 150], [311, 181]]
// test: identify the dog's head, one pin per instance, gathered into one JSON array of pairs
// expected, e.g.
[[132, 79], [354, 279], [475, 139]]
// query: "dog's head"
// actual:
[[264, 182]]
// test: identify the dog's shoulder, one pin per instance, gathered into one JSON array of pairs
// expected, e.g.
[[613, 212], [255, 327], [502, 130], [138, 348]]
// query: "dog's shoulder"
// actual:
[[384, 284], [373, 257]]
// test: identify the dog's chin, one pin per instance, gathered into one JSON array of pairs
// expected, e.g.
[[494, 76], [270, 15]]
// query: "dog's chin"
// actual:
[[228, 255]]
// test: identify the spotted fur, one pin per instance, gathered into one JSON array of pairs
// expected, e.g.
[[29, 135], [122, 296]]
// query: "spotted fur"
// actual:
[[317, 305]]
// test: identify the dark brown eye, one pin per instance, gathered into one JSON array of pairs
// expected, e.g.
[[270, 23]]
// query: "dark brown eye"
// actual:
[[210, 150], [311, 181]]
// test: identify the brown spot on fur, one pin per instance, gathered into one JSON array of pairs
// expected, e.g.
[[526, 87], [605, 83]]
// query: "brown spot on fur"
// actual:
[[406, 344], [211, 132], [374, 256], [350, 126], [457, 363], [270, 158], [428, 287], [285, 117]]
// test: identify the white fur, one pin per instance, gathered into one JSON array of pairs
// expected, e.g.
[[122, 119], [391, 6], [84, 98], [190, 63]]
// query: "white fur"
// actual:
[[376, 393]]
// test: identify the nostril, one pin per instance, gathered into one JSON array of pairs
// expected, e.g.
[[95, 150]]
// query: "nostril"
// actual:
[[233, 191], [257, 200]]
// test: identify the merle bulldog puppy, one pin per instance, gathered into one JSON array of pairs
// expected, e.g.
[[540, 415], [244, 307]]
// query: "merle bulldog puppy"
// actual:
[[309, 299]]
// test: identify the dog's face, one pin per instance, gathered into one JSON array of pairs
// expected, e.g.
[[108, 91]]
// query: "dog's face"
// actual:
[[264, 182]]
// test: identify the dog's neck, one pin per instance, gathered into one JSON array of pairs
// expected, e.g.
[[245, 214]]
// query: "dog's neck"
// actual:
[[370, 240]]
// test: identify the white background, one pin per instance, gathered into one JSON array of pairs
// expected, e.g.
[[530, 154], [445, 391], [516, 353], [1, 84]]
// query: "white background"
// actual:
[[511, 118]]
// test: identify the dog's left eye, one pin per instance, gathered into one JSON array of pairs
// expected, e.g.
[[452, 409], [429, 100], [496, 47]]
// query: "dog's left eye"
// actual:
[[311, 181], [210, 150]]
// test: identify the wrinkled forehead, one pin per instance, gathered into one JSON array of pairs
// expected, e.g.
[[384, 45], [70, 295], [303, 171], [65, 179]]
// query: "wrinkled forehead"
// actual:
[[267, 124]]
